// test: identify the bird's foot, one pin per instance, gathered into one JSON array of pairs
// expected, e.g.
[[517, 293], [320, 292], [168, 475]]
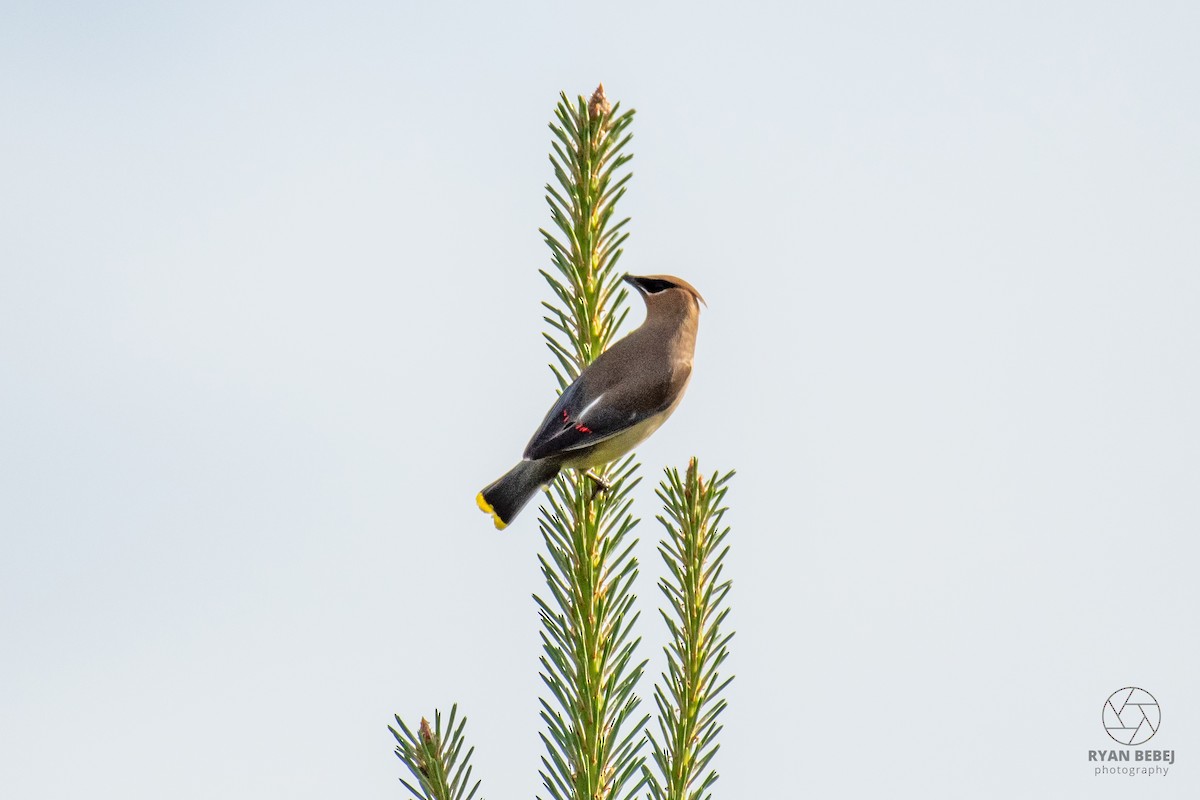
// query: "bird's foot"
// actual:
[[599, 484]]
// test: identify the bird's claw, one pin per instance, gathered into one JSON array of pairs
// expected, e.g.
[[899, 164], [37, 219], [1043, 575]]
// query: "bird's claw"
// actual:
[[599, 484]]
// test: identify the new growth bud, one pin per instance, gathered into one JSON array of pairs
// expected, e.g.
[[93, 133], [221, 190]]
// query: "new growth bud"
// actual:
[[598, 106]]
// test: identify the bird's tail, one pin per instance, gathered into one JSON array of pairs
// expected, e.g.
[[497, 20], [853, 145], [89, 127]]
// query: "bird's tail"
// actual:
[[505, 498]]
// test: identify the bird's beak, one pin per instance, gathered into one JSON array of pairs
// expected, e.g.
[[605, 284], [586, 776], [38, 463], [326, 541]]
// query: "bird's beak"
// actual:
[[632, 280]]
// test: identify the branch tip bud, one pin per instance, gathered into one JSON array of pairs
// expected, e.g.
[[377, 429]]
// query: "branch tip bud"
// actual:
[[598, 106]]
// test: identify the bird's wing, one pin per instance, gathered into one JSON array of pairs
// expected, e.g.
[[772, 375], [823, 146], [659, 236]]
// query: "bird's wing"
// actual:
[[584, 416]]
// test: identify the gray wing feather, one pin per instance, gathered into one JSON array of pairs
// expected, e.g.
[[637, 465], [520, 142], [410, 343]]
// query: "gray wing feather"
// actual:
[[583, 417]]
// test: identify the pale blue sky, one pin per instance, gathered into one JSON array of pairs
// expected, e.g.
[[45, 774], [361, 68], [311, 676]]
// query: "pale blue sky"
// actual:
[[269, 319]]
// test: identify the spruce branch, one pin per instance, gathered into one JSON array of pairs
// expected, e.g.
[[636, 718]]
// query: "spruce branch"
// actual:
[[594, 734], [434, 761], [689, 697], [593, 738]]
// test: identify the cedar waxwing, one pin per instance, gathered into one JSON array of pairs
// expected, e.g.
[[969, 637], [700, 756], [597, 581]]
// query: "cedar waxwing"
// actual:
[[616, 402]]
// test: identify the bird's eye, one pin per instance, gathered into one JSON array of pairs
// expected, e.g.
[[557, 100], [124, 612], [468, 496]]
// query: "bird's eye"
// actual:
[[654, 285]]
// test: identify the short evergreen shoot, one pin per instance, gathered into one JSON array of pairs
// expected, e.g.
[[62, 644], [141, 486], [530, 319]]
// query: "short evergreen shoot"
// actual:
[[689, 697], [435, 759]]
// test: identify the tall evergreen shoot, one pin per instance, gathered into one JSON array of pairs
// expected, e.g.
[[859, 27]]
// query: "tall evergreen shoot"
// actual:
[[593, 739]]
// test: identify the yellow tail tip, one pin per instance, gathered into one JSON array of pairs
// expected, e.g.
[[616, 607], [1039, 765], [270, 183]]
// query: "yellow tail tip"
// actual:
[[486, 508]]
